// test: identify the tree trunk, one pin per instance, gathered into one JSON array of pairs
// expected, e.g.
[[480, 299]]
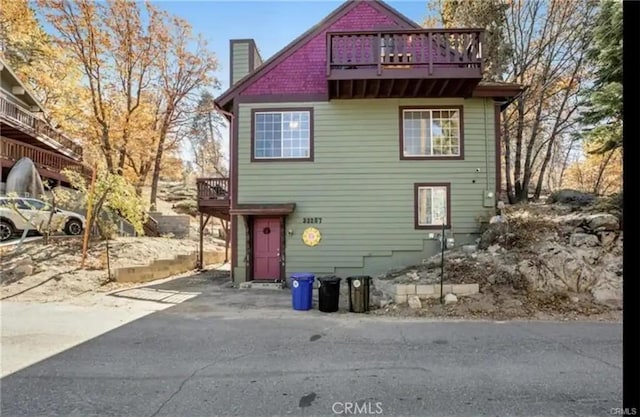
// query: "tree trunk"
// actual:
[[121, 161], [601, 169], [157, 165], [87, 231], [543, 169], [507, 161], [142, 177], [517, 171], [225, 225], [106, 148]]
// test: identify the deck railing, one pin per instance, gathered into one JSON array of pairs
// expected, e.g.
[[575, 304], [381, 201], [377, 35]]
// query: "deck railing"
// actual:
[[405, 49], [213, 188], [37, 126], [13, 151]]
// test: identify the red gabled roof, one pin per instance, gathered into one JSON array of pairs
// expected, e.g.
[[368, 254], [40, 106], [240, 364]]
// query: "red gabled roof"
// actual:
[[228, 96]]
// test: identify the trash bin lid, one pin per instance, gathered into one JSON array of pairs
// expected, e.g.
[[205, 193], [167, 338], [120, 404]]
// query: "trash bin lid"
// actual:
[[329, 279], [359, 277], [303, 276]]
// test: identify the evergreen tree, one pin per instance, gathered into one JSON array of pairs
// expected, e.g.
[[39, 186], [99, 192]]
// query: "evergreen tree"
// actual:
[[603, 105]]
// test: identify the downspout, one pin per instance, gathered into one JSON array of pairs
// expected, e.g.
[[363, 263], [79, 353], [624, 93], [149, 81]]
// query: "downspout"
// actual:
[[486, 148], [230, 117]]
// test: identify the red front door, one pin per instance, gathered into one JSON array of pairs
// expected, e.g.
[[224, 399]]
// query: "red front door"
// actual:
[[266, 248]]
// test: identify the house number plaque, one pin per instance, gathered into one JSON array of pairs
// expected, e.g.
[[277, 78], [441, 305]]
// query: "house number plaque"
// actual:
[[312, 220]]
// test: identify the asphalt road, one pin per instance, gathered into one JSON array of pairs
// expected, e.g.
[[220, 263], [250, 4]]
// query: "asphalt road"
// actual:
[[246, 353]]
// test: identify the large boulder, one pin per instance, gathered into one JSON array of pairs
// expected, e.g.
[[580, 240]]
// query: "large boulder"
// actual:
[[602, 222], [24, 179], [576, 269], [571, 197], [560, 268]]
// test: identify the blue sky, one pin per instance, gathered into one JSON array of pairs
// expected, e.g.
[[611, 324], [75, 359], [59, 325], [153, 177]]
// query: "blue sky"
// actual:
[[272, 24]]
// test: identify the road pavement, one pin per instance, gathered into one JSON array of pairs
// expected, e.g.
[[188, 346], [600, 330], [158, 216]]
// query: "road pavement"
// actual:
[[230, 352]]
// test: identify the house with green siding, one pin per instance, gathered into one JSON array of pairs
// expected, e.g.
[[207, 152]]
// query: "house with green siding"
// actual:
[[355, 146]]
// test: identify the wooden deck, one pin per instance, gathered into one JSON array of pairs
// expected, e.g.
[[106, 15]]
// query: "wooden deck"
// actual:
[[214, 197], [404, 63], [23, 126], [48, 163]]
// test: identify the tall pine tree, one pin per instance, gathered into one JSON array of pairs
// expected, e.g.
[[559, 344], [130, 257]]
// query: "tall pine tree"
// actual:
[[603, 105]]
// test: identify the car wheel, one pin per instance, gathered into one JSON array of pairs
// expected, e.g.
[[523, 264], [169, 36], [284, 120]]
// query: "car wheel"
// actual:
[[6, 230], [73, 227]]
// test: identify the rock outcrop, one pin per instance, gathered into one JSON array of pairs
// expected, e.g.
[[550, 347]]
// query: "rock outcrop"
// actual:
[[534, 250]]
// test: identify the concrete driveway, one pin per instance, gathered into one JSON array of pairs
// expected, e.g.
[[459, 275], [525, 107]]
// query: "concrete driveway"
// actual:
[[230, 352]]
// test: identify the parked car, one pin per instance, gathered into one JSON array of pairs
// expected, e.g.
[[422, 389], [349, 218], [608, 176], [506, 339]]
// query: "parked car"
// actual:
[[34, 214]]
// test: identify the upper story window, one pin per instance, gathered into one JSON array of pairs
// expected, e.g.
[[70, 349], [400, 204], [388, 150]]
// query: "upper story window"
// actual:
[[431, 133], [282, 135]]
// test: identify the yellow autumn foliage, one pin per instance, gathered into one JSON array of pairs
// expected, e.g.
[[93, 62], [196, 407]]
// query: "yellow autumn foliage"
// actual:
[[597, 173]]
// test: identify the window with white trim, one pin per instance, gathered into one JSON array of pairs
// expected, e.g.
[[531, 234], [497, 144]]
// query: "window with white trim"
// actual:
[[431, 133], [282, 135], [432, 205]]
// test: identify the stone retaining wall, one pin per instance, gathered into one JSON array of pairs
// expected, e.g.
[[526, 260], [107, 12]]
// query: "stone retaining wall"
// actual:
[[164, 268], [403, 291], [178, 225]]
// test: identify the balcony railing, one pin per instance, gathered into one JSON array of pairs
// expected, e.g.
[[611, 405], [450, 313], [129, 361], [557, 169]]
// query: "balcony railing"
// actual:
[[36, 126], [49, 160], [426, 50], [213, 192]]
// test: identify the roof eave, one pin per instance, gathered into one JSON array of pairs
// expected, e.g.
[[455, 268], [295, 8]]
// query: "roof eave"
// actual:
[[27, 90], [505, 93]]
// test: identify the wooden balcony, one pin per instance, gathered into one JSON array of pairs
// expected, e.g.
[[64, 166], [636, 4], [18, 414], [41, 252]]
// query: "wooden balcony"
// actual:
[[404, 63], [19, 124], [214, 196], [49, 163]]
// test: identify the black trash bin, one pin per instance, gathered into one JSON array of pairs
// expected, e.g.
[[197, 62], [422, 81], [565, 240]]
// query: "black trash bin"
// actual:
[[359, 293], [328, 294]]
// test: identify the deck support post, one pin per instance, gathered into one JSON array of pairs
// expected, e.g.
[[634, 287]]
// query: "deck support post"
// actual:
[[201, 248], [203, 224]]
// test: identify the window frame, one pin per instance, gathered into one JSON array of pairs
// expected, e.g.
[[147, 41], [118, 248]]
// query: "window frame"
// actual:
[[416, 205], [14, 202], [460, 110], [281, 110], [35, 204]]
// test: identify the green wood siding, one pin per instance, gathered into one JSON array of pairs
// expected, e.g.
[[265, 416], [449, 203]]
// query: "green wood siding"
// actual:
[[362, 190], [240, 62]]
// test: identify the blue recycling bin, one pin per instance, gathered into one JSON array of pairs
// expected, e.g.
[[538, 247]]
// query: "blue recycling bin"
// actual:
[[302, 290]]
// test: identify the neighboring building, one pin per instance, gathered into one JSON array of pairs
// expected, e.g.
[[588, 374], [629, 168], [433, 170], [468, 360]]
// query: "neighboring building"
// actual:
[[25, 133], [368, 128]]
